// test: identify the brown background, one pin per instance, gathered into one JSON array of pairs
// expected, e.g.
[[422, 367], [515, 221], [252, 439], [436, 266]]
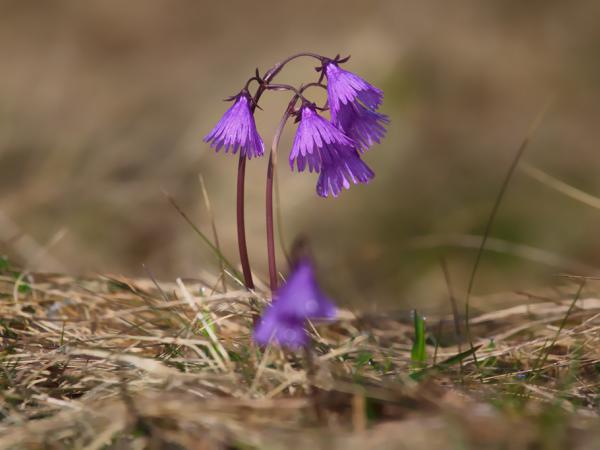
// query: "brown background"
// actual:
[[104, 103]]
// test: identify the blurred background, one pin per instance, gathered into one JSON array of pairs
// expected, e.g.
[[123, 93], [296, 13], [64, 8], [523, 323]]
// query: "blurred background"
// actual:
[[104, 103]]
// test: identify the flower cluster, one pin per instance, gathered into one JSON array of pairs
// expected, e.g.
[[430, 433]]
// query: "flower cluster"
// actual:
[[299, 300], [331, 147]]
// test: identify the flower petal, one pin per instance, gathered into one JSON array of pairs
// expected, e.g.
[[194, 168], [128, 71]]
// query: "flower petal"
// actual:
[[345, 87], [364, 126], [340, 171]]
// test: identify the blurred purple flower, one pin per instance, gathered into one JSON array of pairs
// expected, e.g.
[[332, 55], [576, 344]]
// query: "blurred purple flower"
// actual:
[[364, 126], [237, 129], [299, 300], [287, 332], [326, 149], [344, 88]]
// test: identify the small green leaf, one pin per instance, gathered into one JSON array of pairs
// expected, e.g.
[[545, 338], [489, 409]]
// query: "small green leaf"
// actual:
[[363, 358], [419, 353], [4, 264], [24, 288]]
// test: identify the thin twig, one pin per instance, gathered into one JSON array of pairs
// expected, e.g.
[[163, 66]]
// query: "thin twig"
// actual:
[[488, 228]]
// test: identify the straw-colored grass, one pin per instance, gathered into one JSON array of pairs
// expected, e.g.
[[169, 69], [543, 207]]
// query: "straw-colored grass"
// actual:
[[109, 362]]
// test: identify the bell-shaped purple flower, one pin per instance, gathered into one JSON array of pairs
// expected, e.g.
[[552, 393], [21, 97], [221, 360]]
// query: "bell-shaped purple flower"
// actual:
[[237, 129], [299, 300], [345, 87], [338, 172], [363, 125], [324, 148], [316, 136]]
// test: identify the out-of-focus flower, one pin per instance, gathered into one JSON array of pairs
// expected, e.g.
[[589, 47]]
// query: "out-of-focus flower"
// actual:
[[285, 331], [237, 129], [324, 148], [299, 300], [345, 87]]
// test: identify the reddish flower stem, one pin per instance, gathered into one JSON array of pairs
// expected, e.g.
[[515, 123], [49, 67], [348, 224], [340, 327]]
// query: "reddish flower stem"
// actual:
[[241, 176], [241, 225], [270, 231], [269, 194], [241, 222]]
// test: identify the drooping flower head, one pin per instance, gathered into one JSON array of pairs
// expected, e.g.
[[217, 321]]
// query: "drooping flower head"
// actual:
[[353, 103], [299, 300], [345, 87], [365, 126], [237, 129], [338, 171], [324, 148]]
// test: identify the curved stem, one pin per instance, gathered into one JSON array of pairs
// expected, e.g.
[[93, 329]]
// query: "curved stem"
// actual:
[[317, 84], [269, 195], [277, 67], [309, 85], [270, 232], [241, 227], [278, 217], [250, 80], [281, 87]]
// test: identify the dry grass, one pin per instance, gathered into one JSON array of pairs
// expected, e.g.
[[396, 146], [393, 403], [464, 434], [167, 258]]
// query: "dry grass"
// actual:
[[109, 362]]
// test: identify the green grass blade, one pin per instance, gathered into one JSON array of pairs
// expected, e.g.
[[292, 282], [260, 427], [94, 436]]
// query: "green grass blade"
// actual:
[[418, 353]]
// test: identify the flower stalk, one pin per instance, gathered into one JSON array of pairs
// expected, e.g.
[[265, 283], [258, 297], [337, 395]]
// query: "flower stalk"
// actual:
[[241, 225], [332, 147], [269, 194], [241, 177]]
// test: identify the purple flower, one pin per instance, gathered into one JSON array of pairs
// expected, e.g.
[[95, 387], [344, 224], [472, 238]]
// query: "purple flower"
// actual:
[[345, 88], [363, 125], [337, 172], [289, 333], [301, 297], [316, 136], [324, 148], [237, 129], [299, 300]]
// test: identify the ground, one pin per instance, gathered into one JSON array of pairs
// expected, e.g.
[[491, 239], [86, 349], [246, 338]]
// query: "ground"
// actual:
[[110, 362]]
